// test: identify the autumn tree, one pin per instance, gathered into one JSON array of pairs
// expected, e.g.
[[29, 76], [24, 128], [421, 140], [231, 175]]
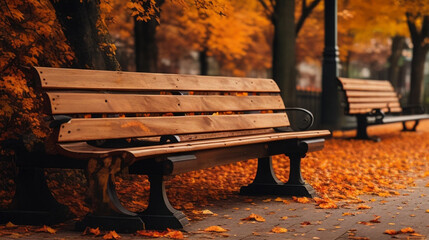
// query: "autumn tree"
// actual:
[[282, 15], [30, 35], [417, 14]]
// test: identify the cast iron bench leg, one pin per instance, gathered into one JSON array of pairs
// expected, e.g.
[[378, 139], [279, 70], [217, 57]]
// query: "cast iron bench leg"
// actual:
[[160, 214], [362, 125], [266, 182], [108, 212], [413, 129], [33, 203]]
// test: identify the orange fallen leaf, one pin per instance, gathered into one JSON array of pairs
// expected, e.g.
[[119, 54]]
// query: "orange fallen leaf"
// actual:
[[254, 217], [46, 229], [376, 219], [278, 230], [94, 231], [306, 223], [10, 225], [188, 206], [363, 206], [150, 233], [366, 223], [111, 235], [215, 229], [301, 199], [407, 230], [174, 234], [391, 232]]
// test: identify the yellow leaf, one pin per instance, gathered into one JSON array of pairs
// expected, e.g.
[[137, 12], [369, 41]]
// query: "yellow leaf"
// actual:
[[46, 229], [278, 230], [215, 229]]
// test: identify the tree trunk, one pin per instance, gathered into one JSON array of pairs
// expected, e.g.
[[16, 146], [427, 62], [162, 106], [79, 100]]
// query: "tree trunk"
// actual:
[[417, 71], [284, 72], [419, 38], [398, 45], [80, 21], [145, 43], [204, 64]]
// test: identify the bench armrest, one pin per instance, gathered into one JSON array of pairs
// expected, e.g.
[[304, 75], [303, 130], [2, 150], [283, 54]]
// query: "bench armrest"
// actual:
[[299, 123], [57, 120], [378, 114]]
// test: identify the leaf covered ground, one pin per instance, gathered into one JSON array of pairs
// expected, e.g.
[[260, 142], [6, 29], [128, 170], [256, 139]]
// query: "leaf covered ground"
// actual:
[[340, 173]]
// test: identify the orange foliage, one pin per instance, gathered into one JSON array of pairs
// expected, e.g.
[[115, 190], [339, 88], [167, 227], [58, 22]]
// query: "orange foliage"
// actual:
[[30, 36]]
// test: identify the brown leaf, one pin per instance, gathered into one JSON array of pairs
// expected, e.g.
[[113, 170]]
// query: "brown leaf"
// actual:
[[93, 231]]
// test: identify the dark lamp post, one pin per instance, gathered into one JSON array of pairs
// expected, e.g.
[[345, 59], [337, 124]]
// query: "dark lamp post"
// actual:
[[330, 69]]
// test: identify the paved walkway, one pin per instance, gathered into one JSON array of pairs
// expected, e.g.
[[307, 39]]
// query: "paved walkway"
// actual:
[[304, 221]]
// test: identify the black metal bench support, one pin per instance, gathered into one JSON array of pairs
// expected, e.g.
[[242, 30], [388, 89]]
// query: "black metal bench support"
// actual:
[[33, 203], [266, 182], [160, 214], [362, 125], [412, 129]]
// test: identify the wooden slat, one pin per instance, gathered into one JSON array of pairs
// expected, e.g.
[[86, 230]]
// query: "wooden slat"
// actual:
[[60, 78], [367, 110], [374, 105], [83, 150], [362, 87], [69, 103], [106, 128], [364, 82], [370, 94], [373, 100]]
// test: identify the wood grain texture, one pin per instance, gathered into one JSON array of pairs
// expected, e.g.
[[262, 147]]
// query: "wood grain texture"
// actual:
[[70, 103], [373, 99], [370, 94], [61, 78], [83, 150], [110, 128]]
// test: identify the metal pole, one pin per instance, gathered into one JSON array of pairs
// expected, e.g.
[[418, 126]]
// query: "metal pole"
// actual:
[[330, 70]]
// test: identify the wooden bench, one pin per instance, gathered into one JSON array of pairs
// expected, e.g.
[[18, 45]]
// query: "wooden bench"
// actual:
[[160, 125], [375, 102]]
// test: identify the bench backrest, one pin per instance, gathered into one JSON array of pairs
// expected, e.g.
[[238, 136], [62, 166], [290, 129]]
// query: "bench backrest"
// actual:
[[112, 105], [363, 96]]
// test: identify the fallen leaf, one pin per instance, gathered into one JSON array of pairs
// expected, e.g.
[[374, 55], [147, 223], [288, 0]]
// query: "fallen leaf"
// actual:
[[278, 230], [321, 229], [306, 223], [284, 218], [174, 234], [10, 225], [407, 230], [301, 199], [363, 206], [93, 231], [207, 212], [215, 229], [111, 235], [376, 219], [46, 229], [391, 232], [254, 217]]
